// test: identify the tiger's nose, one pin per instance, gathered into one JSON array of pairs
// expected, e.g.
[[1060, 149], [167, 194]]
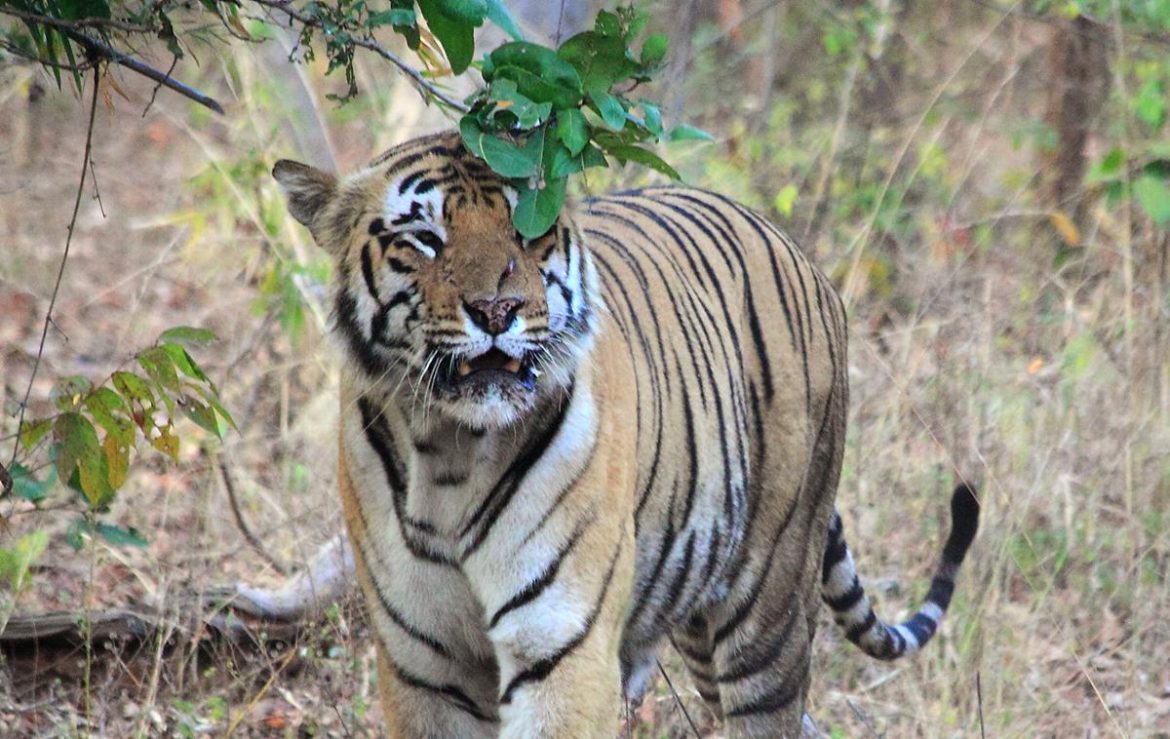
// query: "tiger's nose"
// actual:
[[494, 316]]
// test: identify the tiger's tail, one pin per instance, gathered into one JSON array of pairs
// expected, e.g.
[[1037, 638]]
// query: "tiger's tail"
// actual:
[[842, 591]]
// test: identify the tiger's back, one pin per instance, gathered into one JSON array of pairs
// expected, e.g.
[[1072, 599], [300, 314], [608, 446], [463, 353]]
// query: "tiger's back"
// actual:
[[557, 453]]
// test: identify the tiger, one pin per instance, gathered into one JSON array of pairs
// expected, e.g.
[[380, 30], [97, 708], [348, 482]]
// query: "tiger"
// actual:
[[558, 454]]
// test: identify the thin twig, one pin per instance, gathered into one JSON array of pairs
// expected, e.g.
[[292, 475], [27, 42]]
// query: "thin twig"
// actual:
[[677, 699], [157, 87], [64, 258], [251, 538]]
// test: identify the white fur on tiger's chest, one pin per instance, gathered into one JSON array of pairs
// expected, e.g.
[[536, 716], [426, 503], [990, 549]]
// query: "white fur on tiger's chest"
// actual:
[[450, 470]]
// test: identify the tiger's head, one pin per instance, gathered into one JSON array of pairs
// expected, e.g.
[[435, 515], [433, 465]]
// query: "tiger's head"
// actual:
[[438, 298]]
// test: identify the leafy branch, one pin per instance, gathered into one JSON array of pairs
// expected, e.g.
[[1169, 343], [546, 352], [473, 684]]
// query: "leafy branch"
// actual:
[[541, 116], [96, 427]]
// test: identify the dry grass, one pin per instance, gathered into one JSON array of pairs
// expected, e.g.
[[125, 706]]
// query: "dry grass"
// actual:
[[971, 354]]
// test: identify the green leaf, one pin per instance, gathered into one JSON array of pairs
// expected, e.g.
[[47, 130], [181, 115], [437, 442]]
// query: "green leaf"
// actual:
[[540, 62], [600, 60], [608, 23], [120, 537], [526, 113], [653, 117], [630, 153], [654, 50], [1154, 197], [80, 453], [610, 109], [564, 164], [683, 132], [188, 336], [108, 409], [159, 367], [1108, 168], [184, 362], [76, 439], [468, 11], [457, 36], [33, 431], [499, 15], [537, 210], [25, 485], [785, 199], [202, 414], [572, 129], [1149, 105], [70, 391], [504, 157], [537, 88], [208, 394], [139, 397]]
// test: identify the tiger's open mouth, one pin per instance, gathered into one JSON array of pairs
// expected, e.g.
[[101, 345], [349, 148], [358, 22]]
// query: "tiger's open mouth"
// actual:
[[492, 368]]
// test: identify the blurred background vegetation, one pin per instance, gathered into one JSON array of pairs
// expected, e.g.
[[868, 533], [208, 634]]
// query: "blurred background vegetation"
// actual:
[[986, 181]]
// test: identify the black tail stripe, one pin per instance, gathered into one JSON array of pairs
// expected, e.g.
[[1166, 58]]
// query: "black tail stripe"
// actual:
[[855, 632], [941, 590], [848, 599]]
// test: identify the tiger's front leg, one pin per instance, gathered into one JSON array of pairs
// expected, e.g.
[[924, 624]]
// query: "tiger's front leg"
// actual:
[[554, 612], [435, 678]]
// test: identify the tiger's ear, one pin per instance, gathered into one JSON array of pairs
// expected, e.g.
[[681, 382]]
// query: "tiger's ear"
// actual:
[[307, 189]]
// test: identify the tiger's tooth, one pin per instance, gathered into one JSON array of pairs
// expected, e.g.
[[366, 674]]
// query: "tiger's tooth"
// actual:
[[465, 369], [512, 365]]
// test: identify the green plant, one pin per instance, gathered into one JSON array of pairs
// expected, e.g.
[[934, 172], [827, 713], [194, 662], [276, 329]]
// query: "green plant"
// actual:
[[88, 442], [546, 115]]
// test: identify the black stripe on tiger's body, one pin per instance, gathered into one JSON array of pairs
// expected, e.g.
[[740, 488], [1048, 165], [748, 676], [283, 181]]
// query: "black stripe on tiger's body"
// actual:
[[559, 453]]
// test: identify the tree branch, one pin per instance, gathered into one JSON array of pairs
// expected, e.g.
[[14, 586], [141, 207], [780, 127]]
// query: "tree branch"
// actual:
[[424, 85], [135, 65]]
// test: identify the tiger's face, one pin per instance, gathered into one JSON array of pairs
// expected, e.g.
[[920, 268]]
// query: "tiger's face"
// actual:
[[437, 296]]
